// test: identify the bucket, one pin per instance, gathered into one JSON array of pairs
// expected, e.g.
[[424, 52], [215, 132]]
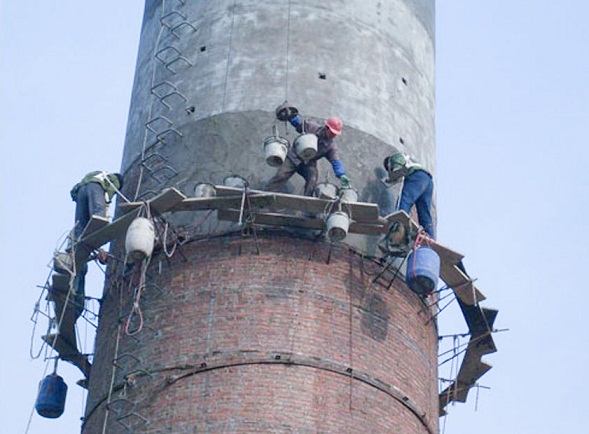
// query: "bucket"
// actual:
[[325, 190], [337, 226], [62, 262], [203, 189], [140, 238], [234, 181], [275, 148], [306, 146], [423, 269], [50, 401], [348, 195]]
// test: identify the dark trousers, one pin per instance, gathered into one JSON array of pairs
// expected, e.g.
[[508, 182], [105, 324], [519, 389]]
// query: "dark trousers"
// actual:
[[418, 190], [288, 169], [90, 202]]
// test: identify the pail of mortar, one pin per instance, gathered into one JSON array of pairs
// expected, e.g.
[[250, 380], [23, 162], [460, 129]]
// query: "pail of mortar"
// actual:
[[275, 148], [204, 189], [348, 195], [325, 190], [338, 224], [306, 146]]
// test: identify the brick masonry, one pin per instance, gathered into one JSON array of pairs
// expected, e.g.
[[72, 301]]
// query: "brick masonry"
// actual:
[[296, 339]]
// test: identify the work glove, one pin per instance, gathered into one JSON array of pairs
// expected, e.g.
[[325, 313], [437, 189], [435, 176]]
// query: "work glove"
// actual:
[[345, 181]]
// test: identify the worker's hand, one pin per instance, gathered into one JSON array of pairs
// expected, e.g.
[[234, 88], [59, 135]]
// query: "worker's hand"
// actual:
[[102, 256], [285, 112], [345, 181]]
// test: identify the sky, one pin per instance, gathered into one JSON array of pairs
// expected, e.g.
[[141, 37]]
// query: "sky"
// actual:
[[512, 123]]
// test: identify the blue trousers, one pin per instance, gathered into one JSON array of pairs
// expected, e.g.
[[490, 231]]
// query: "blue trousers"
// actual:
[[90, 202], [418, 190]]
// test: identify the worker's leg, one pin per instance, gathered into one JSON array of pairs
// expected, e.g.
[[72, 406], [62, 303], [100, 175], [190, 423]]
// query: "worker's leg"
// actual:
[[283, 174], [82, 212], [424, 205], [310, 173], [413, 186], [96, 199]]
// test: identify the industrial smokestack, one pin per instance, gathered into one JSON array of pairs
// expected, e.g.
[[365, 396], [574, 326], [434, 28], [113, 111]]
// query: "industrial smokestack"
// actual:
[[277, 332]]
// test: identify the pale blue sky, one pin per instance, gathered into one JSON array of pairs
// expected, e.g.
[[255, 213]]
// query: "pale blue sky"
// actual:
[[512, 128]]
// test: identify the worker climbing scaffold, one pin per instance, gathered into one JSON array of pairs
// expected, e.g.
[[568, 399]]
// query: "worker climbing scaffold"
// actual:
[[92, 196]]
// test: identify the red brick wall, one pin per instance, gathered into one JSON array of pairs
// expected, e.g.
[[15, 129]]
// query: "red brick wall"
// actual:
[[296, 339]]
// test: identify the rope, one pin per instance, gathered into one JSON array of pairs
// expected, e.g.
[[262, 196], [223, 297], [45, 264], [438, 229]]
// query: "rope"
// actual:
[[287, 60], [229, 55], [165, 242]]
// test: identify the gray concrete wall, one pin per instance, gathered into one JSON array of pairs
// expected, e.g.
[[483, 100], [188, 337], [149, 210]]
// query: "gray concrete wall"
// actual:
[[245, 57]]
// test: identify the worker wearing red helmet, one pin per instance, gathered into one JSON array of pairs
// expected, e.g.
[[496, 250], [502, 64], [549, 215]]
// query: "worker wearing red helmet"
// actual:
[[326, 147]]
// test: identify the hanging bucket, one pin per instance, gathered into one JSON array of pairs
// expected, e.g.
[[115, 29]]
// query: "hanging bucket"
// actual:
[[62, 262], [203, 189], [275, 148], [348, 195], [325, 190], [140, 238], [50, 401], [423, 269], [337, 226], [306, 146]]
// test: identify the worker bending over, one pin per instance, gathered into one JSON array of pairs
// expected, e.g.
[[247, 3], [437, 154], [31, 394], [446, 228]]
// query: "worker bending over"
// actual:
[[418, 187], [326, 147]]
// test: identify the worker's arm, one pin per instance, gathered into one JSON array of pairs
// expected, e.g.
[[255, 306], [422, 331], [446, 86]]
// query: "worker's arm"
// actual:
[[338, 167]]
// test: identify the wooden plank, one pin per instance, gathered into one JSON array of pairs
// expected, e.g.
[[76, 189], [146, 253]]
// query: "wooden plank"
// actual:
[[61, 345], [158, 205], [360, 211], [460, 284], [274, 219], [204, 203]]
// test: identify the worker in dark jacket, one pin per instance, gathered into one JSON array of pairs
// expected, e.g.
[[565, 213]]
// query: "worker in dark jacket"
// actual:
[[92, 195], [418, 187], [326, 147]]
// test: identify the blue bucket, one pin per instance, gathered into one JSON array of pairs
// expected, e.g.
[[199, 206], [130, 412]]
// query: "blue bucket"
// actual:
[[423, 269], [51, 398]]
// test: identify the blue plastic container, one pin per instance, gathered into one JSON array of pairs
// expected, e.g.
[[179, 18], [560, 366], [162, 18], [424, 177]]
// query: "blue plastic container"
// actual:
[[51, 398], [423, 269]]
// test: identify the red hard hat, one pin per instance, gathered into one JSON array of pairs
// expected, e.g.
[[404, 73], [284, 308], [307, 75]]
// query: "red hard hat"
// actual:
[[335, 125]]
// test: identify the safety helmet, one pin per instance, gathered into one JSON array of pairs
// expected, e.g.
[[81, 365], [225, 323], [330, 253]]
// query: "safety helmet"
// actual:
[[335, 125]]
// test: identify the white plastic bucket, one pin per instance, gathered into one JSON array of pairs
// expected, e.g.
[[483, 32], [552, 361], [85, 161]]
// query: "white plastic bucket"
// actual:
[[140, 239], [325, 190], [306, 146], [62, 262], [275, 149], [348, 195], [338, 224], [234, 181], [203, 189]]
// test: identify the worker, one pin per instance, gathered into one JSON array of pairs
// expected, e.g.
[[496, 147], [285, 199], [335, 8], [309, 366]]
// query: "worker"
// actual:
[[326, 147], [418, 187], [92, 195]]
